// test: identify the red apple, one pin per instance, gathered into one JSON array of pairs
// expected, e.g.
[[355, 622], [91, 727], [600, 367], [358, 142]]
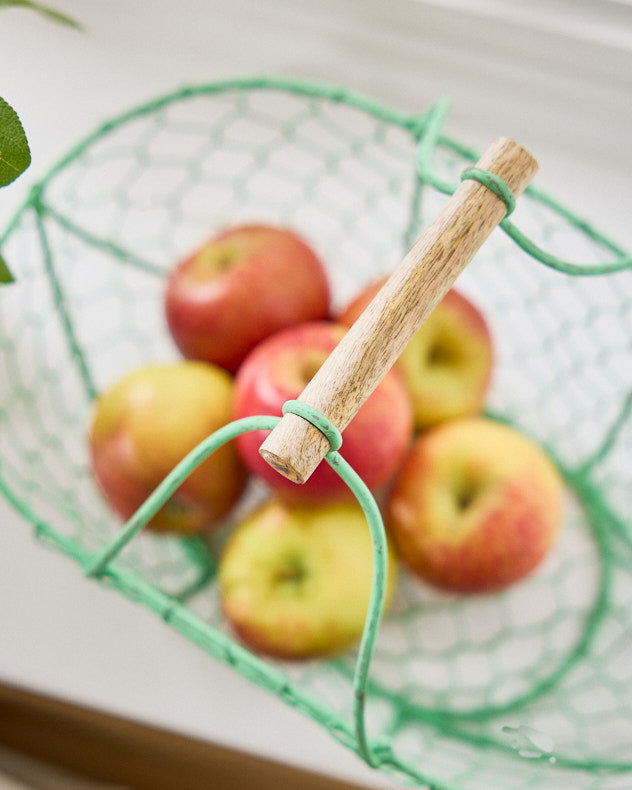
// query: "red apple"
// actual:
[[244, 284], [295, 582], [146, 423], [375, 441], [476, 506], [448, 364]]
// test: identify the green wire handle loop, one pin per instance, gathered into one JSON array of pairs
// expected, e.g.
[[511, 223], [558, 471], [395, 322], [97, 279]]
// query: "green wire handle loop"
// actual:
[[318, 420], [494, 183], [429, 135], [97, 566]]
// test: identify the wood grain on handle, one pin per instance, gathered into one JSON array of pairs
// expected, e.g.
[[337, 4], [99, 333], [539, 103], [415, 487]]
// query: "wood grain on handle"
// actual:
[[378, 337]]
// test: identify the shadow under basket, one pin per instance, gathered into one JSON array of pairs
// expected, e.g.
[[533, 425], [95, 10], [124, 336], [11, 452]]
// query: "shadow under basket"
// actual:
[[529, 688]]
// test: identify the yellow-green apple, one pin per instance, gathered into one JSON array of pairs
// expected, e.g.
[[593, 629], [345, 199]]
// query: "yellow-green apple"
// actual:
[[448, 364], [243, 284], [295, 581], [376, 440], [146, 422], [476, 506]]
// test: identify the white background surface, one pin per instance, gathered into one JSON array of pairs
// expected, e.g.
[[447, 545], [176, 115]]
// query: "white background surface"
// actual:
[[557, 76]]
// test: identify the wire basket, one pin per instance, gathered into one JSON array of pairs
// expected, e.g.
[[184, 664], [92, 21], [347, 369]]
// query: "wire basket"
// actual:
[[528, 688]]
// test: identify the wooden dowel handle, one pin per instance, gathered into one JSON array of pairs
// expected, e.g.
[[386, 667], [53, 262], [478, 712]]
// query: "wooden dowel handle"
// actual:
[[378, 337]]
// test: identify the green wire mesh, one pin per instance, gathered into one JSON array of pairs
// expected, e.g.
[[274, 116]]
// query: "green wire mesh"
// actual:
[[531, 688]]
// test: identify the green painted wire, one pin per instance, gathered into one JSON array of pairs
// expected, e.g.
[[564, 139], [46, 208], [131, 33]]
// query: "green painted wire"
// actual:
[[494, 183], [426, 130], [379, 754], [318, 420], [98, 564], [427, 176], [415, 123], [153, 503]]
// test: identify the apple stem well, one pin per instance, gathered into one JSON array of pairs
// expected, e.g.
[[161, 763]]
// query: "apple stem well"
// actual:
[[467, 492], [377, 338], [442, 353], [293, 572], [221, 259]]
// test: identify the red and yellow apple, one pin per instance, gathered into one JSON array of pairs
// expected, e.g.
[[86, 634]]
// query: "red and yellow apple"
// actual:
[[243, 284], [448, 364], [376, 440], [476, 507], [146, 423], [295, 582]]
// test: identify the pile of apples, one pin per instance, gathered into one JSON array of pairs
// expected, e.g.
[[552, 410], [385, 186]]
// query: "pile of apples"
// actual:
[[470, 505]]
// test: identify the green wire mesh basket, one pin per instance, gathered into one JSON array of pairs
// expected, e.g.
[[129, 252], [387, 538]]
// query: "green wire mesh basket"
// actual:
[[530, 688]]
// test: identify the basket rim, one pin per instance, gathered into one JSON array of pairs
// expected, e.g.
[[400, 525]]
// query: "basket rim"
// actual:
[[426, 128]]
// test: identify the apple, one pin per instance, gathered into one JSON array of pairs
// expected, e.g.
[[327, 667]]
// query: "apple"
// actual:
[[375, 442], [448, 364], [146, 422], [476, 506], [295, 581], [243, 284]]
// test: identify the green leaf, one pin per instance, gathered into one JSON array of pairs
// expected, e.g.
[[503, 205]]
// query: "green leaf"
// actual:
[[56, 16], [15, 155], [5, 274]]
